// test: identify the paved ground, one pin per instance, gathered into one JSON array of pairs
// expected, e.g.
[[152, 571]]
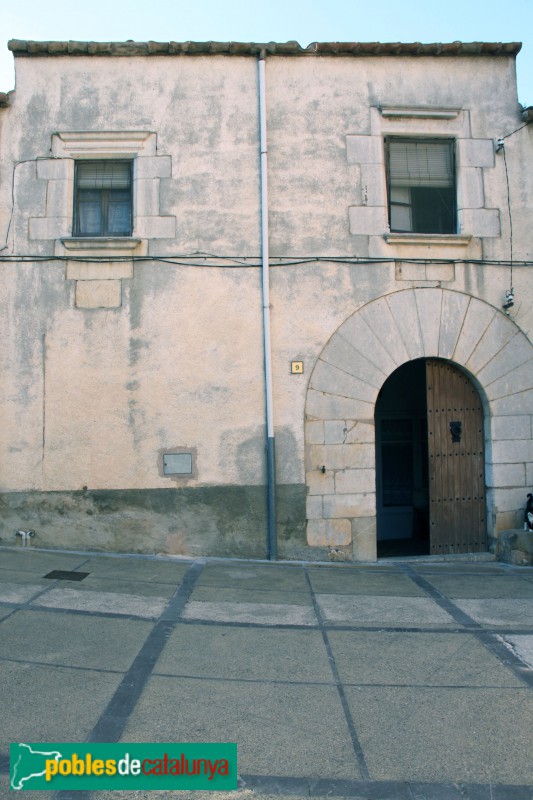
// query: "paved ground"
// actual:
[[408, 680]]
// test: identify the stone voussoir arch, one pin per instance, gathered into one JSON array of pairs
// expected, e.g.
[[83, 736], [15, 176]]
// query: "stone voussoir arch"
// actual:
[[344, 384]]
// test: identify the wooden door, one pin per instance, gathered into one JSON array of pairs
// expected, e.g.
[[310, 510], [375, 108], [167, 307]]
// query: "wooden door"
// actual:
[[456, 461]]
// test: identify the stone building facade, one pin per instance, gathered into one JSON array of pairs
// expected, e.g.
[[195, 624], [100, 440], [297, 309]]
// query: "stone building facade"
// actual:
[[149, 236]]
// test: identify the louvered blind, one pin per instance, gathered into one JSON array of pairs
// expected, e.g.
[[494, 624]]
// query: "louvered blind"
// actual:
[[104, 174], [421, 163]]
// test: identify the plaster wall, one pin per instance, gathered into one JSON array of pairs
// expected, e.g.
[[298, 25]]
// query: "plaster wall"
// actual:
[[106, 369]]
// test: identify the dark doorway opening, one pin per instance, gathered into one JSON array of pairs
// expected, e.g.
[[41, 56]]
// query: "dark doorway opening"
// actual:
[[429, 462], [402, 463]]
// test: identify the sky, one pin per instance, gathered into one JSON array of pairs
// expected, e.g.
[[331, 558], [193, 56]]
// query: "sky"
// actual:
[[305, 21]]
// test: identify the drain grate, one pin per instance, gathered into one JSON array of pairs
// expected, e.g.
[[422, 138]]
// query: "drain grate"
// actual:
[[65, 575]]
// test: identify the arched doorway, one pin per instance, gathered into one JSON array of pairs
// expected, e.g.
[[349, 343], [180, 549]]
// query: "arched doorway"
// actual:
[[429, 462], [469, 338]]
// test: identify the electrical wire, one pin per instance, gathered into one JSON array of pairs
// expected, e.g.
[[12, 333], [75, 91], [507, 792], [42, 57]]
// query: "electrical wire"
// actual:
[[515, 131], [12, 213], [510, 219], [501, 146], [253, 262]]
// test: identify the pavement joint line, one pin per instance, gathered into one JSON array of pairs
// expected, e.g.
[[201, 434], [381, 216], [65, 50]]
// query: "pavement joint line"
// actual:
[[116, 580], [330, 626], [334, 787], [487, 637], [381, 790], [441, 599], [113, 720], [260, 681], [75, 611], [356, 744], [351, 684], [8, 616], [333, 626], [292, 626], [506, 656], [56, 665]]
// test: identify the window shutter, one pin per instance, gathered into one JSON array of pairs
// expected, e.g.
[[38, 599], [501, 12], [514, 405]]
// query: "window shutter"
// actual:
[[104, 174], [421, 163]]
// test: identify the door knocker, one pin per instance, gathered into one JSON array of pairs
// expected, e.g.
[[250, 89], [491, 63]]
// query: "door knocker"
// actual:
[[456, 429]]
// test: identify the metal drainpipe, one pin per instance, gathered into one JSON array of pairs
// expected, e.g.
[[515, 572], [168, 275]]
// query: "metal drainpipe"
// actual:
[[270, 440]]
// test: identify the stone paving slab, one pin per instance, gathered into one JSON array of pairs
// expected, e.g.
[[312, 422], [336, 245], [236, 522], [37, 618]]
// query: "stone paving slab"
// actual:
[[22, 577], [50, 703], [382, 611], [513, 613], [262, 577], [265, 654], [107, 602], [121, 586], [482, 586], [453, 735], [236, 594], [19, 593], [142, 569], [256, 613], [362, 583], [410, 659], [281, 729], [470, 567], [436, 707], [72, 640]]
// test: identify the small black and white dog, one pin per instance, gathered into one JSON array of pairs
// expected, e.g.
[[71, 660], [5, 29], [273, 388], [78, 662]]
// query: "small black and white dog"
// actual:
[[528, 514]]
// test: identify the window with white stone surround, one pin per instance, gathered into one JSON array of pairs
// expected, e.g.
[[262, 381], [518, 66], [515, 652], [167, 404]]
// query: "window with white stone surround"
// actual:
[[74, 146], [98, 282], [473, 219]]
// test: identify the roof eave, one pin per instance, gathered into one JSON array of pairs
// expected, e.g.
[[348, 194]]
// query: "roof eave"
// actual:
[[23, 47]]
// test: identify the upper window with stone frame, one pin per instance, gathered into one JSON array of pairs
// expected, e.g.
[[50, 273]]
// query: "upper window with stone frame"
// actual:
[[103, 198], [421, 185]]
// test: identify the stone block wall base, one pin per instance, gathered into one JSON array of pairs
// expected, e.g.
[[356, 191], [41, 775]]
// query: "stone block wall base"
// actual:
[[515, 546]]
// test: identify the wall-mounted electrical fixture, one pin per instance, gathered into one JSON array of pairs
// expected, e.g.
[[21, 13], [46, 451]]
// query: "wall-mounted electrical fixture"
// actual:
[[297, 367], [509, 299], [499, 144], [177, 464]]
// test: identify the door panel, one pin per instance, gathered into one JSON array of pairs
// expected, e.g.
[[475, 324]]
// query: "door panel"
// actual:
[[456, 461]]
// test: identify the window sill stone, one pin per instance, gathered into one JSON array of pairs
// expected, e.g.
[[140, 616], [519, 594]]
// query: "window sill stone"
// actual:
[[82, 243], [429, 239]]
